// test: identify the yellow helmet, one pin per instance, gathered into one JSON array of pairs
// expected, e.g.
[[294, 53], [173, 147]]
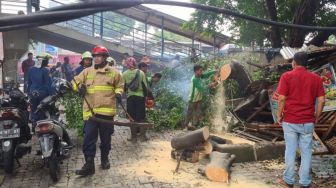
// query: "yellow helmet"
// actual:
[[44, 56], [87, 54], [111, 60]]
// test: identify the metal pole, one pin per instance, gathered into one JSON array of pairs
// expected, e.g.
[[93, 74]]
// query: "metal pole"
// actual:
[[133, 40], [214, 43], [29, 7], [93, 25], [162, 37], [101, 25], [146, 36]]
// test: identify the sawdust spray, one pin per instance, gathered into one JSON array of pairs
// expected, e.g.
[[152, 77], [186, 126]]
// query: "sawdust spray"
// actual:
[[218, 119]]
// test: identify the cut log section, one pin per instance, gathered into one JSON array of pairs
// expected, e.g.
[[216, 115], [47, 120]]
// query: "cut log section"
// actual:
[[219, 167], [207, 148], [191, 139]]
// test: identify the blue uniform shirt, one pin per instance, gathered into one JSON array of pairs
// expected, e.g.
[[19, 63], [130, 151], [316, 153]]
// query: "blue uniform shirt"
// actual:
[[39, 80]]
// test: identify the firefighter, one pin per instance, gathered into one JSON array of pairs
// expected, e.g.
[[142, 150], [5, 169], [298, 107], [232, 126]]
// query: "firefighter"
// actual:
[[85, 63], [101, 85], [111, 61]]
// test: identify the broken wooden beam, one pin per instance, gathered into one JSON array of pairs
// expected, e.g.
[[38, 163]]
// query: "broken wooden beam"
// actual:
[[261, 108], [330, 129]]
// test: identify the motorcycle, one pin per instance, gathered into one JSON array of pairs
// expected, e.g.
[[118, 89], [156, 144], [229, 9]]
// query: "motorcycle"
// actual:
[[51, 133], [14, 129]]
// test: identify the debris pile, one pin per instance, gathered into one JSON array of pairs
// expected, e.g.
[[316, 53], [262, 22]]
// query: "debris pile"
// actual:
[[256, 110]]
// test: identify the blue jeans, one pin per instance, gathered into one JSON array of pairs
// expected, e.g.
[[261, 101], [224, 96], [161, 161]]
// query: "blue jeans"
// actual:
[[298, 135]]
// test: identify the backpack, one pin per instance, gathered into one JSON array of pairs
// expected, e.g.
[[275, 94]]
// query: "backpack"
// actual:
[[134, 84]]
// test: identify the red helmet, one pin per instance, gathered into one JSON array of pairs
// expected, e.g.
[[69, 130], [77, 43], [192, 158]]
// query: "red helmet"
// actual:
[[100, 50]]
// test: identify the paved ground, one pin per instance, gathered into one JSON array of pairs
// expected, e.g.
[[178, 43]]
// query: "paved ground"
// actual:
[[145, 165]]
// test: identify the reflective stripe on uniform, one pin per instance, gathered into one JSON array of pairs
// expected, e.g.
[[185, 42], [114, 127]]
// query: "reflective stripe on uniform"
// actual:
[[93, 89], [74, 86], [110, 74], [89, 77], [106, 111]]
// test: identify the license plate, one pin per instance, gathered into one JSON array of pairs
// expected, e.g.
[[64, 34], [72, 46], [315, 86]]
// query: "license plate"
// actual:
[[9, 133]]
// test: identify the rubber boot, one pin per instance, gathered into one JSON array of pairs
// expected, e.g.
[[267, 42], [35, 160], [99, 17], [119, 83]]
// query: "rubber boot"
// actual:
[[105, 164], [88, 168], [133, 138], [143, 136]]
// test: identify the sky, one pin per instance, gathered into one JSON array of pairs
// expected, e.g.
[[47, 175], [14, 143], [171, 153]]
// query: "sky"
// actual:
[[180, 12]]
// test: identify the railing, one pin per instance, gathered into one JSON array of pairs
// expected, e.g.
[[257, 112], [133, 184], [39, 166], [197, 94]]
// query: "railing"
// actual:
[[100, 25]]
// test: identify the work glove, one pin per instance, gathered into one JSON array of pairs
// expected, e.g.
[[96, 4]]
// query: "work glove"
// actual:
[[118, 97], [82, 91]]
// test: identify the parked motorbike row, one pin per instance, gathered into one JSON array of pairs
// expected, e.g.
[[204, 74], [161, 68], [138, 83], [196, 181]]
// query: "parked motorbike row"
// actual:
[[15, 132]]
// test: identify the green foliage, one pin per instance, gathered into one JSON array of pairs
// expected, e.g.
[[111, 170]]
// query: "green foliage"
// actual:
[[250, 33], [169, 111], [231, 89], [333, 163], [170, 105], [73, 111]]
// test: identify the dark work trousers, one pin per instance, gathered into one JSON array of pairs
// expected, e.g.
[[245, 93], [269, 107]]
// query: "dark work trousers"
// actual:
[[91, 129], [136, 109], [25, 82], [193, 113]]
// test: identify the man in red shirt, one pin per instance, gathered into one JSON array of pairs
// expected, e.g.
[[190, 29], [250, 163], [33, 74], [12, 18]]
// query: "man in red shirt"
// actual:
[[298, 90], [26, 65]]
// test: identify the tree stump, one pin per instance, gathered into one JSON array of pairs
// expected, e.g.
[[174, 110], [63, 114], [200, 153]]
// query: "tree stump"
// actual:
[[190, 139], [219, 167]]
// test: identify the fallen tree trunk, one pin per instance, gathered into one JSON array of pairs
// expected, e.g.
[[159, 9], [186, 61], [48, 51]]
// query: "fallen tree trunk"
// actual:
[[124, 124], [219, 167], [217, 142], [191, 139]]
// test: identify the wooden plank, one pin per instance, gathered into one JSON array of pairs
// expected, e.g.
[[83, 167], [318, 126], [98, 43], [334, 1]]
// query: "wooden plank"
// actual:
[[324, 116], [330, 129], [319, 148], [330, 118], [249, 136], [257, 111]]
